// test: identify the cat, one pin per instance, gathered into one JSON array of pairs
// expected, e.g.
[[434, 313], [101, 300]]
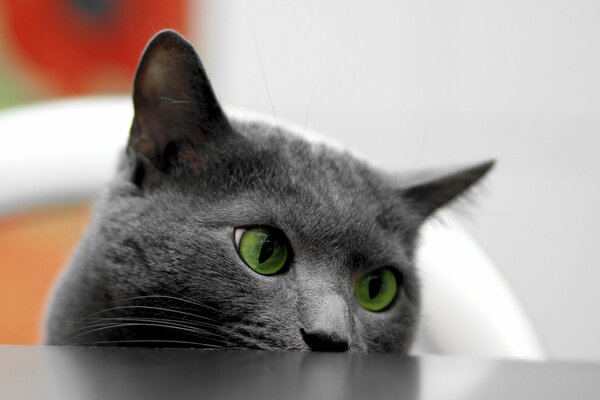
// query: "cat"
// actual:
[[221, 232]]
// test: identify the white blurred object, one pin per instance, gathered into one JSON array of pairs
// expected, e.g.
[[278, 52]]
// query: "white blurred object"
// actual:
[[66, 150], [468, 306], [61, 150]]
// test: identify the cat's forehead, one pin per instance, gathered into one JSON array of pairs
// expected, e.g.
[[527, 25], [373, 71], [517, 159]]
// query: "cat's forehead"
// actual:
[[283, 163], [305, 157], [316, 193], [245, 120]]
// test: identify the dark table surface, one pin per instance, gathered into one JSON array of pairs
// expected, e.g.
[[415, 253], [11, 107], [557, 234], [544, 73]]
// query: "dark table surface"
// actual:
[[40, 372]]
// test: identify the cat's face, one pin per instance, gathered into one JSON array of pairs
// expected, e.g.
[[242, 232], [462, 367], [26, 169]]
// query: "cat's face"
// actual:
[[222, 232]]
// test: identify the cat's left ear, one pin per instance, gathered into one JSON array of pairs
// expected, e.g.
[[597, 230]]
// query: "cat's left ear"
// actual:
[[175, 106], [427, 193]]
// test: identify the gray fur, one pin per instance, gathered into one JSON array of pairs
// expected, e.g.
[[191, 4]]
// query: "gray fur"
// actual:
[[158, 265]]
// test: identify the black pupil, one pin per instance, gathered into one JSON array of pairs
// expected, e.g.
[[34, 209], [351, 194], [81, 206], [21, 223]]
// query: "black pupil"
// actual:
[[374, 284], [267, 249]]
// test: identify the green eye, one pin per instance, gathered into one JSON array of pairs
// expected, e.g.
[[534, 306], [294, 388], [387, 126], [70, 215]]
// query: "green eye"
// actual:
[[263, 249], [376, 290]]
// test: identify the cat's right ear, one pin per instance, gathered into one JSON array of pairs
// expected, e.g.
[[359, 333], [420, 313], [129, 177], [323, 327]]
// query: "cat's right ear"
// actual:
[[427, 192], [176, 110]]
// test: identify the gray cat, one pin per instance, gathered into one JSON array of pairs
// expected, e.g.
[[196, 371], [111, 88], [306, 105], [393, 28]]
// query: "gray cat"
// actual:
[[223, 233]]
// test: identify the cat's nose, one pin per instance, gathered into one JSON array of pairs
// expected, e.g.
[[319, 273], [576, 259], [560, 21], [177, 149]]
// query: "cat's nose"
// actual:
[[319, 340], [326, 322]]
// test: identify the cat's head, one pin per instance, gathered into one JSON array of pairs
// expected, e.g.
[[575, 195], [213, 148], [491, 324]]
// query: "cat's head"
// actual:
[[222, 232]]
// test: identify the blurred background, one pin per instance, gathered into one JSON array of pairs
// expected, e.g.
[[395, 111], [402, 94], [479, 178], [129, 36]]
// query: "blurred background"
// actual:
[[407, 84]]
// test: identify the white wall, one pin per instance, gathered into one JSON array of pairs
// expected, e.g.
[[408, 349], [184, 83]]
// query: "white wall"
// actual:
[[414, 84]]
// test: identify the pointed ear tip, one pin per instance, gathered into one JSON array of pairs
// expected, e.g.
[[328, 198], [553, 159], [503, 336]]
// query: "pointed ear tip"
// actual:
[[167, 34], [485, 167], [167, 41], [165, 38]]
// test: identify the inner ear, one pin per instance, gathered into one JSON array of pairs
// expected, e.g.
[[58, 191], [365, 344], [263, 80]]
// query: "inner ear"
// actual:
[[174, 103]]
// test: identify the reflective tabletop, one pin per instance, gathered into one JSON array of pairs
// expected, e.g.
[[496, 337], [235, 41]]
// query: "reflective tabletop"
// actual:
[[42, 372]]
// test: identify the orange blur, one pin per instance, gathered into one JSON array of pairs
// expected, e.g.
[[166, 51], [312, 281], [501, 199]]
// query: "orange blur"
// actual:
[[33, 248]]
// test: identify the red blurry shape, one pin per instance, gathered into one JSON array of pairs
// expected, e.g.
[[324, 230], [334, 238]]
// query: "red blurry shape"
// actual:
[[75, 43]]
